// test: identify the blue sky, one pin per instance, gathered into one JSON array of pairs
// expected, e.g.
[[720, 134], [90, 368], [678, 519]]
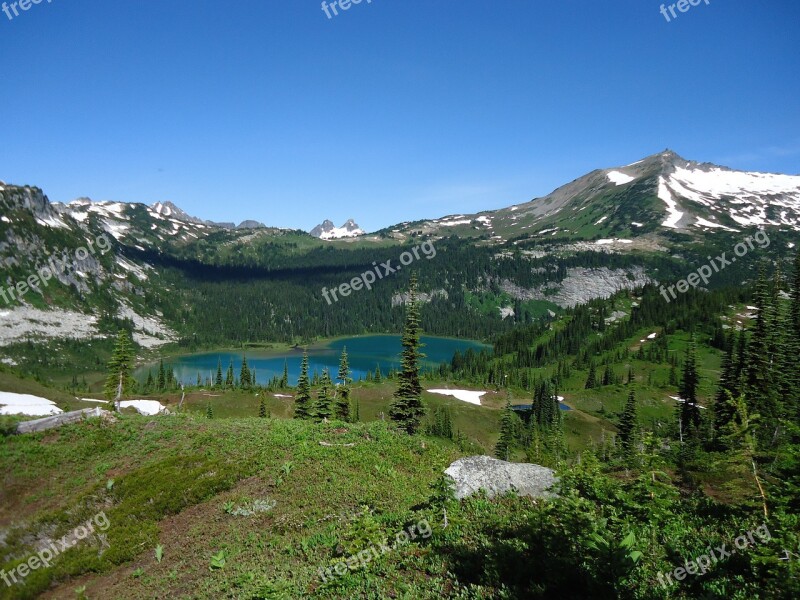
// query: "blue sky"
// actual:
[[391, 111]]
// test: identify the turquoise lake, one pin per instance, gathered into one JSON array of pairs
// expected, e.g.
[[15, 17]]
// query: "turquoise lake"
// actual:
[[365, 353]]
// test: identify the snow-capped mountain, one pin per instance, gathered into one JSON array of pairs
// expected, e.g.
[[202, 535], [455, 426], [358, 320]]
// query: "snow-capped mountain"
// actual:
[[657, 194], [328, 231]]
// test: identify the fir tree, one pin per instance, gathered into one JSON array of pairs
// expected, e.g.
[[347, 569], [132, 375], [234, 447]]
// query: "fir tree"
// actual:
[[262, 409], [591, 380], [302, 398], [244, 374], [407, 409], [229, 376], [502, 449], [627, 426], [162, 376], [323, 409], [285, 378], [378, 375], [689, 413], [209, 411], [218, 380], [343, 390], [119, 381]]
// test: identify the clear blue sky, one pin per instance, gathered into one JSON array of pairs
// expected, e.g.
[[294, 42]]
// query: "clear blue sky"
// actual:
[[391, 111]]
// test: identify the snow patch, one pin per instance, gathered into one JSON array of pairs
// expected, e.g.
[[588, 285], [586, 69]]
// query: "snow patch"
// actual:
[[26, 404], [469, 396], [618, 178]]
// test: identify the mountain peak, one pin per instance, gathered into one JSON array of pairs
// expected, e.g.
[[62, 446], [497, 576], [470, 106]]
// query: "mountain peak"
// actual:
[[328, 231]]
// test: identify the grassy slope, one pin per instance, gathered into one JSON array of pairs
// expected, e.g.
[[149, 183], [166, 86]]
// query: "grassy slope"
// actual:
[[172, 476]]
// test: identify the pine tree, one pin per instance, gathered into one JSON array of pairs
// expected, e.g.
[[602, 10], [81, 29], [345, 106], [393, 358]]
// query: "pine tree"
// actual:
[[627, 426], [119, 381], [502, 449], [218, 381], [323, 409], [378, 375], [150, 382], [760, 375], [209, 411], [262, 409], [302, 398], [689, 413], [244, 374], [407, 409], [608, 376], [285, 378], [162, 377], [728, 387], [343, 390], [229, 376], [591, 380]]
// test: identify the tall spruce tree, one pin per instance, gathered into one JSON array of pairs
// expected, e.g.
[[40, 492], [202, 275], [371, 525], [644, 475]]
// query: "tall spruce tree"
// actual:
[[229, 375], [627, 426], [342, 407], [218, 380], [119, 381], [502, 449], [591, 380], [244, 374], [323, 409], [689, 413], [302, 398], [162, 376], [407, 409]]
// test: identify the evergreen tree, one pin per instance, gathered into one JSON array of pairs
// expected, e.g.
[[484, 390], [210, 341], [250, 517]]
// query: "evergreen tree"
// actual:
[[608, 375], [627, 426], [262, 409], [728, 387], [323, 409], [760, 374], [285, 378], [229, 376], [407, 408], [218, 380], [119, 381], [150, 382], [162, 376], [689, 413], [209, 411], [244, 374], [343, 390], [302, 398], [591, 380], [378, 375], [502, 449]]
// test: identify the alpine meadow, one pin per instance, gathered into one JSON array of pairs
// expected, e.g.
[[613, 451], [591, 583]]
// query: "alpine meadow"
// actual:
[[541, 358]]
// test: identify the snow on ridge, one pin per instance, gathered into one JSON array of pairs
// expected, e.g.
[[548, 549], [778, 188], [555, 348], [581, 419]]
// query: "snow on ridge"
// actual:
[[618, 178], [665, 194]]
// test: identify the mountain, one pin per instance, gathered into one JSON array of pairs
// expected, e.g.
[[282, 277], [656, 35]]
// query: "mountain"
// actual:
[[328, 231], [658, 193], [169, 276]]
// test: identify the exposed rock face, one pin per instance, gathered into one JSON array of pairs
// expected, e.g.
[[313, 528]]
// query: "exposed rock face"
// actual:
[[498, 477]]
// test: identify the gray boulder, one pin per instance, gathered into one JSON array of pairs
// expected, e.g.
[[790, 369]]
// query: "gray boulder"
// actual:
[[498, 477]]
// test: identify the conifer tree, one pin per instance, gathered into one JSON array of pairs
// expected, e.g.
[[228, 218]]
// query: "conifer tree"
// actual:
[[229, 375], [627, 426], [119, 381], [244, 374], [209, 411], [162, 377], [407, 409], [728, 387], [760, 375], [378, 375], [323, 409], [591, 380], [689, 413], [218, 380], [302, 398], [262, 409], [285, 378], [502, 449], [343, 390]]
